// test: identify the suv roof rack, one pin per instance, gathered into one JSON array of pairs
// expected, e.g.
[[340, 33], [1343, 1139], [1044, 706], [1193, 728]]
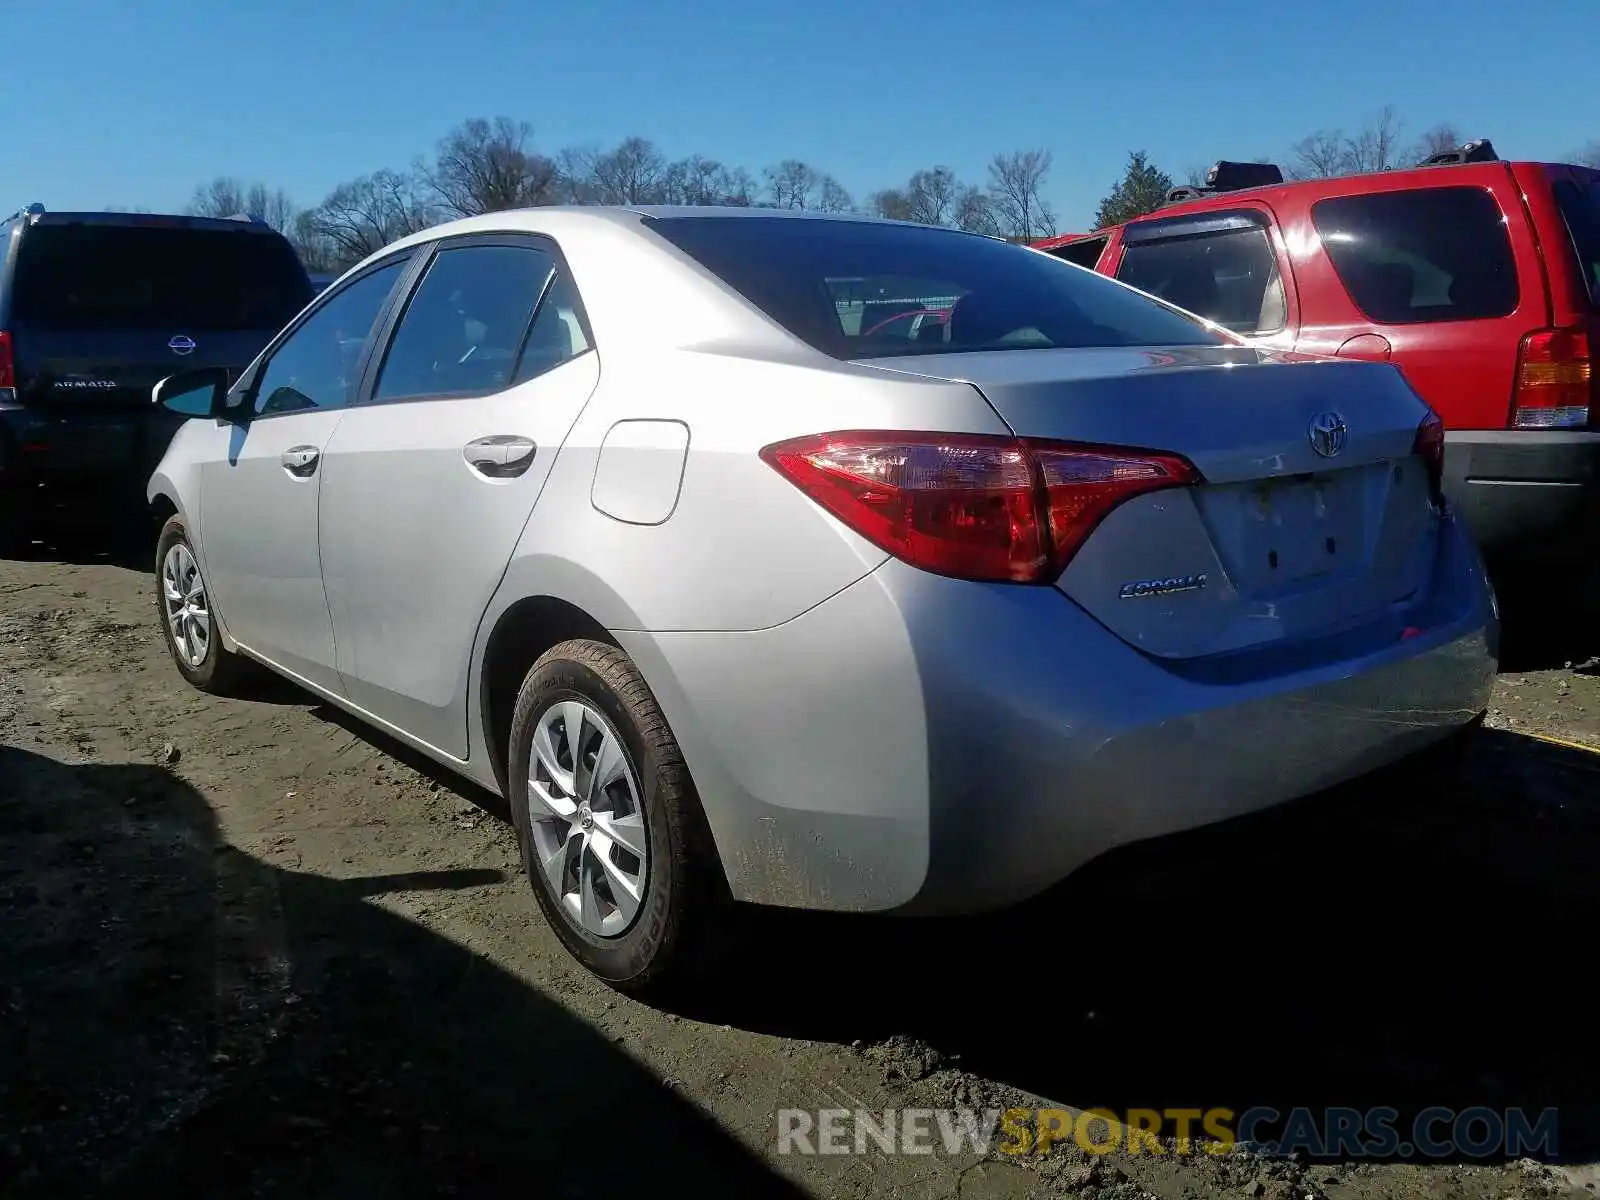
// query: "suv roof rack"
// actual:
[[1228, 176], [1481, 150]]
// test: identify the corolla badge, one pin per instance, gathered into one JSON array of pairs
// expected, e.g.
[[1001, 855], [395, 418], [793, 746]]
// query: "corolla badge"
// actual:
[[1140, 588], [1327, 433], [181, 343]]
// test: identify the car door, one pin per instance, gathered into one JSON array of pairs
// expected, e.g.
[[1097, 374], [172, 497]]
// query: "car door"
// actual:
[[258, 500], [429, 479], [1229, 267]]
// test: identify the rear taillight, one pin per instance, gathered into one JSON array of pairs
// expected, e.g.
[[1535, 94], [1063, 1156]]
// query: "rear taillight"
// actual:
[[1429, 447], [1554, 380], [8, 364], [969, 505]]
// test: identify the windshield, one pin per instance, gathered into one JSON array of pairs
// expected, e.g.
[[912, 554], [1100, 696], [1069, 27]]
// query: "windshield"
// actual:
[[859, 289], [170, 278]]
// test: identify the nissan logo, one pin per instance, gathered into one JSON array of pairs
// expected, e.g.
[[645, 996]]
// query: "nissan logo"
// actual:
[[181, 343]]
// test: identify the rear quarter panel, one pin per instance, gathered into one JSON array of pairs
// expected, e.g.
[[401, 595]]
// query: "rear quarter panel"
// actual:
[[742, 548], [1463, 369]]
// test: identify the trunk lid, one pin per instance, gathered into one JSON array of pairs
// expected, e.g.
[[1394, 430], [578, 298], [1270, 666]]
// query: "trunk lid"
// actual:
[[1279, 543]]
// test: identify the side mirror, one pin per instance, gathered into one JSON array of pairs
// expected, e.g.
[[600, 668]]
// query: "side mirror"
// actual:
[[202, 392]]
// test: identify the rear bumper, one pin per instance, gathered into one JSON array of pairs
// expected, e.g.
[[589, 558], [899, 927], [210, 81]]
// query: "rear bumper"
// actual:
[[93, 450], [1527, 493], [924, 745]]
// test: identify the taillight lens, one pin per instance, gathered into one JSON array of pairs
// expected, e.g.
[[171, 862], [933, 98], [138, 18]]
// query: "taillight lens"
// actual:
[[8, 363], [1429, 447], [1554, 380], [968, 505]]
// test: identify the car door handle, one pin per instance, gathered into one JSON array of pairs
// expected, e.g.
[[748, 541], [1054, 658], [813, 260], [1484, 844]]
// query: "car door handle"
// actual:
[[500, 455], [300, 461]]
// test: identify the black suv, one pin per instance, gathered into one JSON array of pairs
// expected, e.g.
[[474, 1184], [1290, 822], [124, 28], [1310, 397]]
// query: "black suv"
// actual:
[[95, 309]]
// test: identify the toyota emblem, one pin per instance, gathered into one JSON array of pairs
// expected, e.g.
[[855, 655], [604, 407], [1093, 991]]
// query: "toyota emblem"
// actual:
[[1327, 433]]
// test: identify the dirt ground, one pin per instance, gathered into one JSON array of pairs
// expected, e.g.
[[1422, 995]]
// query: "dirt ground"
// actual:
[[248, 948]]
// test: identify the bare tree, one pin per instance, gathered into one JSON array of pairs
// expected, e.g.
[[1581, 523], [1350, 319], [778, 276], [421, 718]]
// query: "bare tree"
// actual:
[[974, 212], [1437, 140], [795, 184], [832, 198], [633, 172], [317, 251], [488, 166], [1016, 183], [791, 184], [228, 197], [1377, 145], [366, 214], [697, 180], [1322, 155], [893, 204]]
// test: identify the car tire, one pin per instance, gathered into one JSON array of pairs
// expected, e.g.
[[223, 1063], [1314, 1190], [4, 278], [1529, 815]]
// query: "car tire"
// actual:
[[659, 947], [216, 669]]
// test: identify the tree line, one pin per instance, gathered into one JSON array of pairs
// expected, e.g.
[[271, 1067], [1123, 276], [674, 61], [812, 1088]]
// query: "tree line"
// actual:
[[1380, 144], [490, 164], [487, 165]]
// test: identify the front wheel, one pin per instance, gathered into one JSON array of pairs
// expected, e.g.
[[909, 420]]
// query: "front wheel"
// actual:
[[188, 622], [612, 835]]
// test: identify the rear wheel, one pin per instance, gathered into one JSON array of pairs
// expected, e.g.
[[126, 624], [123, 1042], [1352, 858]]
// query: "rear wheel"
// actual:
[[612, 836], [188, 621]]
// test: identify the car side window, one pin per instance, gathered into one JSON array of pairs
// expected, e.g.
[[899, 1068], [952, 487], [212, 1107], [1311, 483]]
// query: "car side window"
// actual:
[[558, 330], [1421, 256], [316, 365], [1230, 278], [1085, 252], [465, 323]]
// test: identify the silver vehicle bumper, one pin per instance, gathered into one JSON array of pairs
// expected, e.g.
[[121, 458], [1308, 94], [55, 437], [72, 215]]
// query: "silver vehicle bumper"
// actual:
[[925, 745]]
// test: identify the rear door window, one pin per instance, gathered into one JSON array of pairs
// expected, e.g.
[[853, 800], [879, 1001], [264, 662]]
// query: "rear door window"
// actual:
[[1230, 277], [154, 276], [464, 326], [1421, 256], [1580, 209]]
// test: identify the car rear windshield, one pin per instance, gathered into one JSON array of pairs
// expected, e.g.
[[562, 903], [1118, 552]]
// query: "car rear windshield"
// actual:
[[1421, 256], [118, 275], [858, 289], [1580, 207]]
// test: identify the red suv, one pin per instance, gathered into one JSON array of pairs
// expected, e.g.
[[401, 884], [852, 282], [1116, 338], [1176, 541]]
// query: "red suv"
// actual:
[[1479, 279]]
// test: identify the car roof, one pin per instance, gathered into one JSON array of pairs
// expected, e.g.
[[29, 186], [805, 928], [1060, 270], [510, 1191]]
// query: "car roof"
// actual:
[[1363, 183]]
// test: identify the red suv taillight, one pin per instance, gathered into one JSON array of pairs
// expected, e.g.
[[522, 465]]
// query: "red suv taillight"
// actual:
[[1429, 447], [1554, 380], [8, 363], [969, 505]]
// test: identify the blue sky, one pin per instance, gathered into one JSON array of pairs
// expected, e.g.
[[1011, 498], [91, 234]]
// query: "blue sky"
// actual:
[[111, 102]]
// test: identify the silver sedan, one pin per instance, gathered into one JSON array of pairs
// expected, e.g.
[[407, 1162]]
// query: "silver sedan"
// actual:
[[662, 524]]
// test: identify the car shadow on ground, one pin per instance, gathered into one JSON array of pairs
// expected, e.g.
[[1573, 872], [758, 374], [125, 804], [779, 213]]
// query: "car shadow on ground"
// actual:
[[180, 1018], [1409, 941]]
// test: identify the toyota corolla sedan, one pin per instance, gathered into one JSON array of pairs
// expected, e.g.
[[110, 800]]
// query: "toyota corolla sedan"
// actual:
[[605, 510]]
